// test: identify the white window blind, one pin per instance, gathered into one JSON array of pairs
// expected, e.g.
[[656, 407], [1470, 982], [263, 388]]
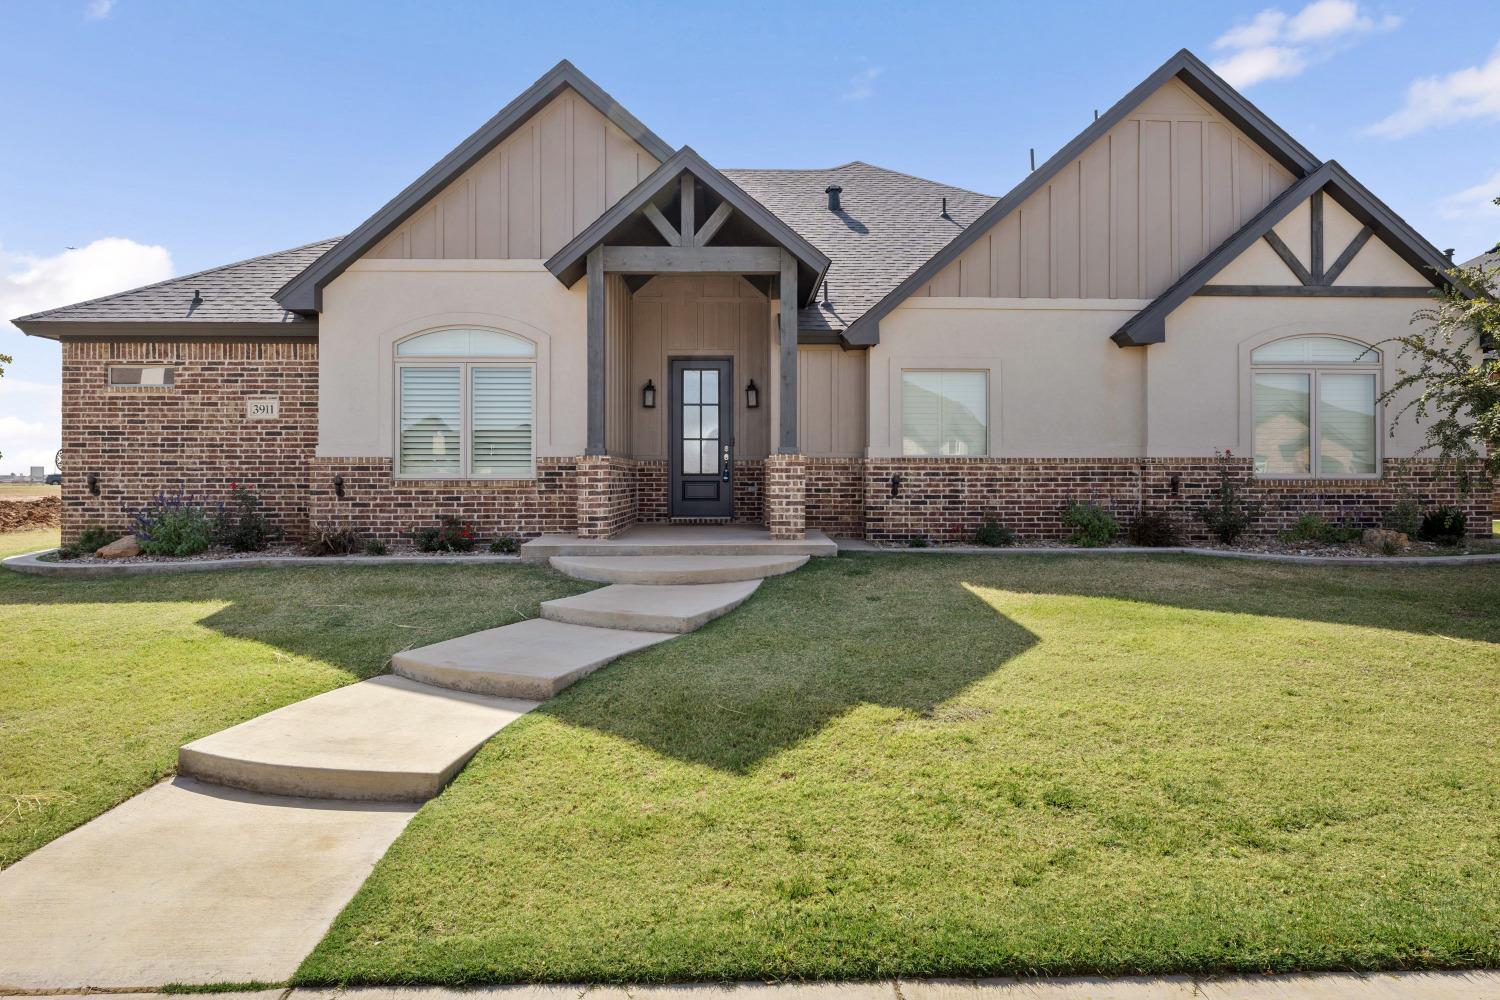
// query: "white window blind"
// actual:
[[1315, 407], [431, 421], [1346, 424], [502, 404], [1283, 424], [944, 413]]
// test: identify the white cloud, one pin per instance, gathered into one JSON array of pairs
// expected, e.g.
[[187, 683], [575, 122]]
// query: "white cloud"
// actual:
[[98, 10], [1478, 200], [1275, 45], [1468, 94], [862, 84], [29, 426]]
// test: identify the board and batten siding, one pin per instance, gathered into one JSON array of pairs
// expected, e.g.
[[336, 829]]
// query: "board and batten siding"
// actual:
[[1141, 206], [698, 315], [831, 389], [529, 195]]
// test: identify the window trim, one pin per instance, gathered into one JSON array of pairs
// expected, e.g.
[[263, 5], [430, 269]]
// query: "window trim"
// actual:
[[900, 429], [1314, 370], [466, 365], [109, 377]]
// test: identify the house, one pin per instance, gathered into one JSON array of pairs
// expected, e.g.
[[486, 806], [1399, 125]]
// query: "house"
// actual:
[[569, 325]]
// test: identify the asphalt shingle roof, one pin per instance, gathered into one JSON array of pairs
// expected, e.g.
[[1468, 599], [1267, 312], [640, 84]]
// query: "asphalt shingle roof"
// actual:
[[889, 225], [1491, 259], [234, 293]]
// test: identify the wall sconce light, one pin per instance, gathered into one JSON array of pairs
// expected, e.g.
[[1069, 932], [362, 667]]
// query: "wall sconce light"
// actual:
[[648, 395], [1176, 484], [338, 487], [94, 483], [895, 486], [752, 395]]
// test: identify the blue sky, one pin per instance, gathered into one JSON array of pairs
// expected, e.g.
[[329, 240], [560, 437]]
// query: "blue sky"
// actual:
[[160, 137]]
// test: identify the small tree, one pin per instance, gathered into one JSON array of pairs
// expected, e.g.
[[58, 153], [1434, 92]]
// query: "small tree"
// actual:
[[1452, 370]]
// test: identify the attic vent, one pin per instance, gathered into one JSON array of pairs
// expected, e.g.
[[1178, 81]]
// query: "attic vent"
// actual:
[[833, 191]]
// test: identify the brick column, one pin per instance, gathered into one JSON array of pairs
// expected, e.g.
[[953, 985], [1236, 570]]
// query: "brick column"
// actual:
[[786, 476], [606, 496]]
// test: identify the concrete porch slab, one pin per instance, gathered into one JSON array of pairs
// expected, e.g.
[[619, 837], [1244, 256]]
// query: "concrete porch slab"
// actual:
[[650, 609], [187, 883], [387, 738], [533, 659], [675, 570], [680, 540]]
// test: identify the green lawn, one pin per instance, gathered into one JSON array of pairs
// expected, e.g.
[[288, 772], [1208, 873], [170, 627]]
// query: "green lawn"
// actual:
[[929, 765], [102, 680]]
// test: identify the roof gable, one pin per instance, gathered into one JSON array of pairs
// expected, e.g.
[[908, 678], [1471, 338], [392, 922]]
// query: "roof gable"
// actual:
[[1202, 83], [1375, 217], [568, 264], [304, 292]]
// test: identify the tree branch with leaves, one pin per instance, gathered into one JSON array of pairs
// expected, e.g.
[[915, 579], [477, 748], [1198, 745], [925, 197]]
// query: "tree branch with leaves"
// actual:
[[1448, 375]]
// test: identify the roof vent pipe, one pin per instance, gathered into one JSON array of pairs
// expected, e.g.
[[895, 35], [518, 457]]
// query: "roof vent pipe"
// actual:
[[945, 208], [833, 191]]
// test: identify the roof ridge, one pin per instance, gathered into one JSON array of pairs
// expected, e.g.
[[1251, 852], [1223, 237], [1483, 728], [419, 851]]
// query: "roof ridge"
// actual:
[[42, 314], [855, 163]]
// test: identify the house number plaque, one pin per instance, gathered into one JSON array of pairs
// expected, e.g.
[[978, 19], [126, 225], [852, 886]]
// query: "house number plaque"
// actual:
[[262, 408]]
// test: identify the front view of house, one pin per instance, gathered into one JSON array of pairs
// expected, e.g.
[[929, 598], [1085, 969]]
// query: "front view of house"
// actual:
[[568, 325]]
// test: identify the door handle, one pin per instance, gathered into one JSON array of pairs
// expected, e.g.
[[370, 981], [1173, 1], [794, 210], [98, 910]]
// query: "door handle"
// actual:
[[724, 472]]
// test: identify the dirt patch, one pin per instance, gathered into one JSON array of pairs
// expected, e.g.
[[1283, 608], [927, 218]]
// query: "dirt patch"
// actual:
[[22, 513]]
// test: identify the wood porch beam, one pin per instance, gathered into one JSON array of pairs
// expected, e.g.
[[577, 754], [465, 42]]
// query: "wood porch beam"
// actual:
[[788, 356], [665, 260], [689, 207], [595, 443]]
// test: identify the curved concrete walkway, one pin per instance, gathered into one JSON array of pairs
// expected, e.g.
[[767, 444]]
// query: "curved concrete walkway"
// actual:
[[223, 876]]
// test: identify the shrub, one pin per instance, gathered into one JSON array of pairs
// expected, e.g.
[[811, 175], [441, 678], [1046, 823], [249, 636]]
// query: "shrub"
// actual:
[[994, 534], [375, 547], [1228, 516], [1154, 528], [241, 526], [89, 542], [1404, 516], [173, 526], [1312, 528], [916, 541], [328, 540], [1092, 525], [450, 534], [1443, 525], [505, 545]]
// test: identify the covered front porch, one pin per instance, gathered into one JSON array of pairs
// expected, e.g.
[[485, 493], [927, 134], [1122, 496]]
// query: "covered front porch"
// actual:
[[692, 356]]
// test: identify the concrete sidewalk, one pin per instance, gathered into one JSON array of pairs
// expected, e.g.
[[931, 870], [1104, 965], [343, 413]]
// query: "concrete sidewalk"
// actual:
[[1478, 985]]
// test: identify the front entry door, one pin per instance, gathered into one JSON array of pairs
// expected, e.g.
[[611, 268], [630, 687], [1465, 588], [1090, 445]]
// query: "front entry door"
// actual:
[[701, 437]]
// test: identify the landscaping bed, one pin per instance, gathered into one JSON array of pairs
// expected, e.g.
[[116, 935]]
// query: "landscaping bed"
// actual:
[[952, 766]]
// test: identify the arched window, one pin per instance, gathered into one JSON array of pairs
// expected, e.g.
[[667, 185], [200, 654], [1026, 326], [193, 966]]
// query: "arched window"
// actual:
[[466, 401], [1315, 411]]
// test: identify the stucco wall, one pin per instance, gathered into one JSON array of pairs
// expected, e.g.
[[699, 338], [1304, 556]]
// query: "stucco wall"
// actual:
[[375, 303], [1058, 385]]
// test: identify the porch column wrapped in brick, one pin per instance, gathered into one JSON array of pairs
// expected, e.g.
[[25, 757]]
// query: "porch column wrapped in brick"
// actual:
[[786, 477], [606, 496]]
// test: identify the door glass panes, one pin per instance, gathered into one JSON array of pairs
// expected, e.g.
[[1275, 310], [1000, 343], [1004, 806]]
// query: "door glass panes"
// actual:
[[700, 421]]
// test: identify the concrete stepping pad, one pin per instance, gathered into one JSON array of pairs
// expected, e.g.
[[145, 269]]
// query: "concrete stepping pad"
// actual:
[[533, 659], [650, 609], [388, 738], [681, 540], [188, 883], [675, 570]]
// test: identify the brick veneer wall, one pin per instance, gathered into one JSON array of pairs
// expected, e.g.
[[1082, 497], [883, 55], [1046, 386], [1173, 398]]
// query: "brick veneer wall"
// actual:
[[785, 510], [946, 499], [650, 481], [834, 496], [192, 436], [377, 505], [606, 496]]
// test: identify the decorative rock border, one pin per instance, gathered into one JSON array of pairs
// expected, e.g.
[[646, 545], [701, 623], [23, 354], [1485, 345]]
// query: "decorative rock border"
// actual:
[[859, 545], [32, 563]]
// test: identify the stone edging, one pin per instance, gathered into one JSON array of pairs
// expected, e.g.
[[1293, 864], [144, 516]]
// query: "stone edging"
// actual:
[[31, 563], [1275, 557]]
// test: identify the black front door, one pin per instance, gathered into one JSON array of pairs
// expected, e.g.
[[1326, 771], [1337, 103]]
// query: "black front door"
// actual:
[[701, 437]]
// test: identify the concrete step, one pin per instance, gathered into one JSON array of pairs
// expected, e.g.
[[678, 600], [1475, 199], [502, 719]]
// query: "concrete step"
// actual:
[[532, 659], [650, 609], [387, 738], [675, 570], [680, 540]]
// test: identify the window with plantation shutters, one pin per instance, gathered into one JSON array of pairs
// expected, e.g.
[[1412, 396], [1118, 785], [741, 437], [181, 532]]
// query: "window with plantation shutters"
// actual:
[[467, 405], [1315, 410], [944, 413]]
